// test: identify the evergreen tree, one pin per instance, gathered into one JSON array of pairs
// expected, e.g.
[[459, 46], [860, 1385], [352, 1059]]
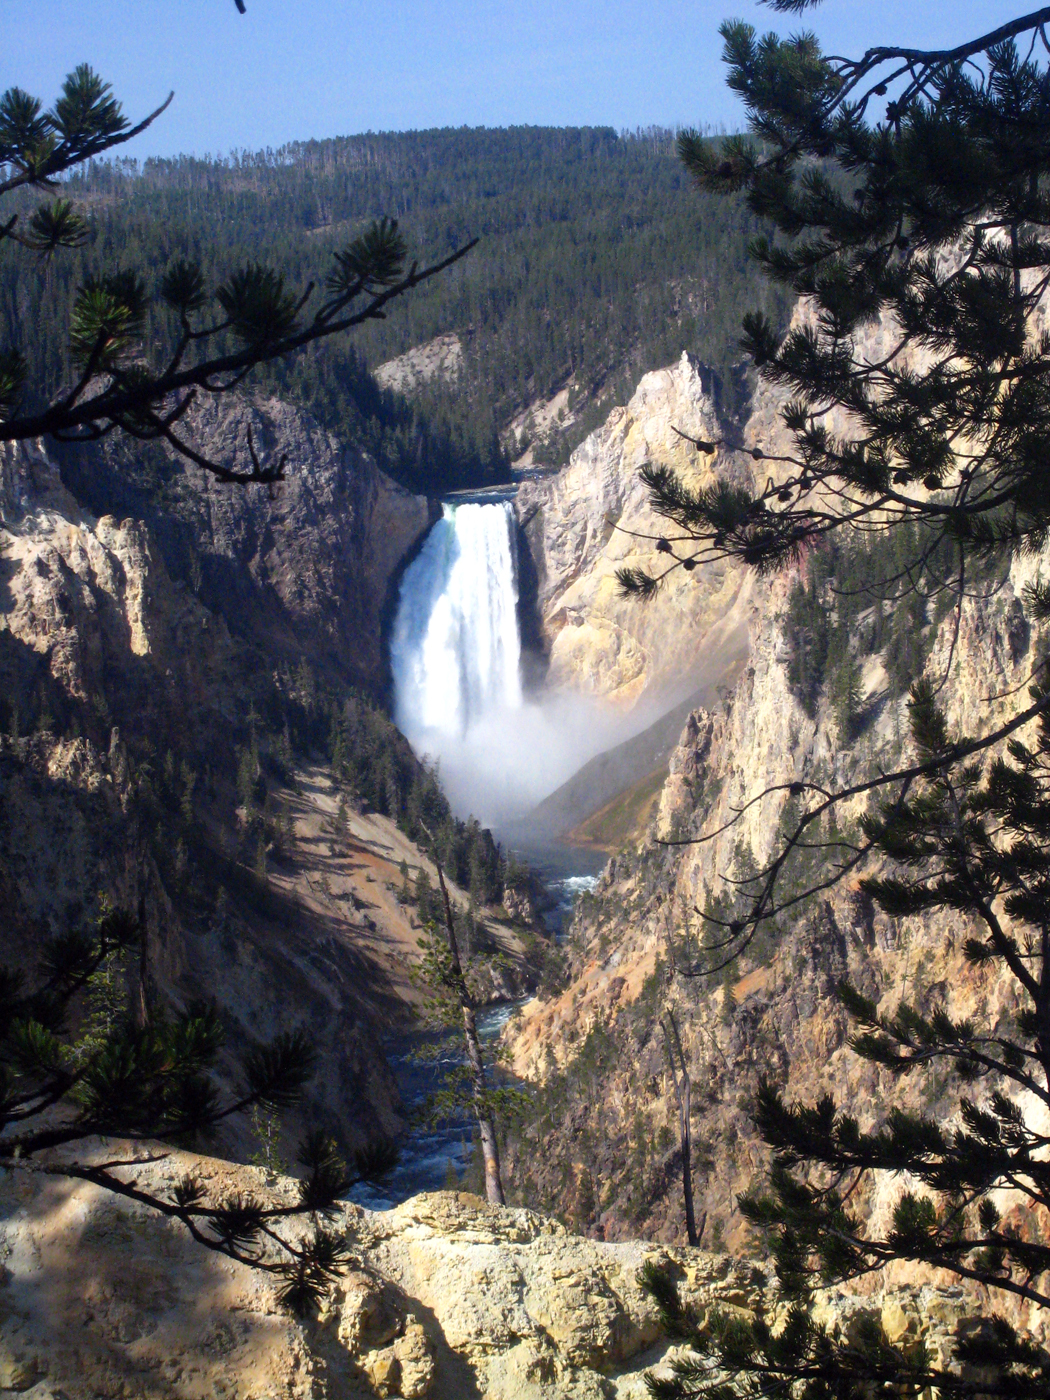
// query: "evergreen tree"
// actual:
[[926, 208], [135, 1072], [932, 218], [975, 841], [806, 628], [452, 1003], [683, 1089], [846, 697], [120, 377], [911, 188]]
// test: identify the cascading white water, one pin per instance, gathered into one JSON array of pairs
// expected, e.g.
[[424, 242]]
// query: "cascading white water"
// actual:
[[455, 654], [456, 649]]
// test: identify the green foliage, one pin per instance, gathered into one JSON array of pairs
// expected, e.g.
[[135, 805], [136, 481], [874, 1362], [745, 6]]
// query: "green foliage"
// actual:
[[806, 627], [924, 210], [371, 262], [85, 120], [108, 1002], [108, 320], [13, 372], [971, 839], [880, 595], [266, 1130], [144, 1074], [259, 310], [183, 288], [56, 225], [846, 698], [371, 756], [594, 265], [133, 349], [404, 893]]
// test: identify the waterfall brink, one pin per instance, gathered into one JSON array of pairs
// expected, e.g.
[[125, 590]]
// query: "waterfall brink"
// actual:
[[456, 649]]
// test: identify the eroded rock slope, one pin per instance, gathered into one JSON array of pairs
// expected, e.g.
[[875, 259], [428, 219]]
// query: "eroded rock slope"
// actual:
[[446, 1298], [593, 517], [139, 666], [602, 1148]]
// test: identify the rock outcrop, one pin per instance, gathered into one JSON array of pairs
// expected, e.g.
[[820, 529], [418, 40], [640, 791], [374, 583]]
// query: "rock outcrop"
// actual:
[[605, 1149], [446, 1298], [440, 358], [301, 570], [593, 517]]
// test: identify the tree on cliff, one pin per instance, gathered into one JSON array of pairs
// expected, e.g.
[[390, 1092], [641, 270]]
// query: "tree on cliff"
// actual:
[[118, 377], [976, 1198], [128, 1070], [932, 221], [683, 1091], [451, 1003]]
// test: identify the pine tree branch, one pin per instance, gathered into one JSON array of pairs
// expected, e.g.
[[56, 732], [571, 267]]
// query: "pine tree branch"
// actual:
[[930, 59], [67, 155], [764, 907], [117, 404]]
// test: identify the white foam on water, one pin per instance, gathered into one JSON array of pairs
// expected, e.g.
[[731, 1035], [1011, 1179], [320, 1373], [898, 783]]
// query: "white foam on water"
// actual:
[[456, 649], [455, 655]]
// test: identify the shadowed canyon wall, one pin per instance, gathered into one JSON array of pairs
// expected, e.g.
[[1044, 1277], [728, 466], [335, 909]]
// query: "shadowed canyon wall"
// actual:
[[117, 677]]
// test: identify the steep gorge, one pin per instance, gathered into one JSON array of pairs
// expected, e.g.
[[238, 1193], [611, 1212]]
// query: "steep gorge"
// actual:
[[147, 665], [127, 639], [602, 1145]]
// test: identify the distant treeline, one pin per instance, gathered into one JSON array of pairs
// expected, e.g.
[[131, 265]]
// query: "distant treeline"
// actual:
[[596, 262]]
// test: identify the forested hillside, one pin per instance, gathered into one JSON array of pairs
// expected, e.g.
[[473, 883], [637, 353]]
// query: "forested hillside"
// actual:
[[595, 262]]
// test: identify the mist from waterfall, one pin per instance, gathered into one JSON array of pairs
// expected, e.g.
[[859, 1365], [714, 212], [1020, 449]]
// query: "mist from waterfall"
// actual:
[[455, 655]]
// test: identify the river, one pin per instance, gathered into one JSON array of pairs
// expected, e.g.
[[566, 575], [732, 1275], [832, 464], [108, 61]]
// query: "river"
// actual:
[[427, 1151], [456, 665]]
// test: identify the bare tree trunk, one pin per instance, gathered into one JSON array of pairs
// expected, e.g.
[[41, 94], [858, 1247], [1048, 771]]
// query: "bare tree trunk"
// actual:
[[142, 1008], [482, 1111], [683, 1091]]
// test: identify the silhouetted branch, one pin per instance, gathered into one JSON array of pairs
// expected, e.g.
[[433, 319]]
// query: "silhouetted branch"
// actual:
[[741, 931]]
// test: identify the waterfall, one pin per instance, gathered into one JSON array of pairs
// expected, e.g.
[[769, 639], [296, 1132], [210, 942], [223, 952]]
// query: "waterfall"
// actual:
[[456, 649], [455, 653]]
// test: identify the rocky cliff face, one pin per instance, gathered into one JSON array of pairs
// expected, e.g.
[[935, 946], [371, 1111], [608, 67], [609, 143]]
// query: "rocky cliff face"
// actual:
[[593, 517], [447, 1298], [440, 358], [118, 679], [603, 1149], [302, 570]]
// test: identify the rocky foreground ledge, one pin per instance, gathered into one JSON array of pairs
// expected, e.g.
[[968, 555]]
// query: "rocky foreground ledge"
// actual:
[[450, 1298]]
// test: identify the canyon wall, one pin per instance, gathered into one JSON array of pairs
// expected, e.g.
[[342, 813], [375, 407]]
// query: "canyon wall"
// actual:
[[302, 569], [117, 675], [602, 1147], [593, 517]]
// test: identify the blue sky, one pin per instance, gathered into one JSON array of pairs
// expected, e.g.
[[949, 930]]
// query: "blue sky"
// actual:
[[293, 69]]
